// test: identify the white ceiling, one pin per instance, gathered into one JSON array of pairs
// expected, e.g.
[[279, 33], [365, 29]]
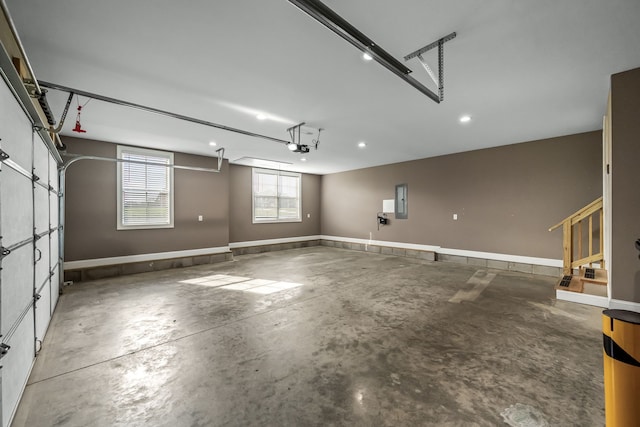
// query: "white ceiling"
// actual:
[[523, 70]]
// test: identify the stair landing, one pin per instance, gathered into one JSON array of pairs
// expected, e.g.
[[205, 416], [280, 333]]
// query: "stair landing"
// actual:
[[591, 281]]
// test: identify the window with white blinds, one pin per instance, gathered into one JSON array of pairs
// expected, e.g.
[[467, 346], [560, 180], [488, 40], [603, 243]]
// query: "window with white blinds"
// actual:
[[276, 196], [145, 189]]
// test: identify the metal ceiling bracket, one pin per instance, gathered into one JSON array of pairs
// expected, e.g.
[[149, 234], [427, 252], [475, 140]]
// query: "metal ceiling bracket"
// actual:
[[294, 132], [220, 152], [439, 80]]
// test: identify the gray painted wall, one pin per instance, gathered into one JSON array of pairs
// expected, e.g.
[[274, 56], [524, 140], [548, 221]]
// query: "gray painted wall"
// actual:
[[91, 207], [241, 227], [506, 198], [224, 201], [625, 181]]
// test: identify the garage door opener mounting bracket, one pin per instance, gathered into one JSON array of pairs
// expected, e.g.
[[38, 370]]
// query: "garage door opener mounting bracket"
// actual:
[[439, 80]]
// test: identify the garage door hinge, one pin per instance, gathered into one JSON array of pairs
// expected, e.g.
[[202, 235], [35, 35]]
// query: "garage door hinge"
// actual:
[[35, 178], [3, 155], [4, 349], [36, 297], [4, 252]]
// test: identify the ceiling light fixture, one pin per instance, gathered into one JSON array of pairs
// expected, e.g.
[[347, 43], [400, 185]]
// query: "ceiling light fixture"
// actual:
[[304, 159], [212, 143], [330, 19], [362, 144], [465, 119]]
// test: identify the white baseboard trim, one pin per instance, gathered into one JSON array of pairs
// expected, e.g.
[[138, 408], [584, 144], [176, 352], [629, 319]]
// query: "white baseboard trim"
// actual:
[[413, 246], [548, 262], [101, 262], [624, 305], [251, 243], [447, 251], [579, 298]]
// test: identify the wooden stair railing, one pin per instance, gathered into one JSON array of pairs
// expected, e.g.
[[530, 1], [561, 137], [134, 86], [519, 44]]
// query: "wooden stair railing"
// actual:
[[572, 226]]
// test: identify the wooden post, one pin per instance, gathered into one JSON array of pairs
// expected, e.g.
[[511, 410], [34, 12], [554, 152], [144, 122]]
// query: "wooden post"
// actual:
[[579, 241], [590, 238], [567, 240], [602, 237]]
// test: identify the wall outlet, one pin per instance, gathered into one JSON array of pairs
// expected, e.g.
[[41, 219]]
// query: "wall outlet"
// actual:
[[308, 215], [200, 218], [455, 217]]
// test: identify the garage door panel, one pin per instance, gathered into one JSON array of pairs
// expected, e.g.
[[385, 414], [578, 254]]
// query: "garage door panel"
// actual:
[[53, 254], [42, 259], [16, 291], [16, 365], [17, 138], [53, 173], [53, 210], [16, 205], [40, 160], [43, 310], [55, 287], [41, 200]]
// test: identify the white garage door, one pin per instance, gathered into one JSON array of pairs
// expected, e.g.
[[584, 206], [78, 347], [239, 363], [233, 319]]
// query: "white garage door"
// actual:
[[28, 261]]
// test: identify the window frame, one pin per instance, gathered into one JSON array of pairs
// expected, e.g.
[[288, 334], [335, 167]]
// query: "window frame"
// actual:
[[123, 149], [278, 173]]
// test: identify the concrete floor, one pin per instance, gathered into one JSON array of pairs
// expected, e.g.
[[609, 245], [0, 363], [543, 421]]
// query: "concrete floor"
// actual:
[[365, 340]]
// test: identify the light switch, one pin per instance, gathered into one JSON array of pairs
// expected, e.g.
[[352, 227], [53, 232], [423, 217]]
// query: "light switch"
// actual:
[[200, 218], [308, 215], [455, 217]]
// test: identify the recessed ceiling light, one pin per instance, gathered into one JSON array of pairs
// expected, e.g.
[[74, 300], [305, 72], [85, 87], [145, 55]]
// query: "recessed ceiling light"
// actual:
[[303, 159], [366, 56], [212, 143], [261, 116], [362, 144], [465, 119]]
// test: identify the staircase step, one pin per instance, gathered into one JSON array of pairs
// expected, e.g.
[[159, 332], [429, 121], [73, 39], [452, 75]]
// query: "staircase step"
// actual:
[[597, 276], [570, 283]]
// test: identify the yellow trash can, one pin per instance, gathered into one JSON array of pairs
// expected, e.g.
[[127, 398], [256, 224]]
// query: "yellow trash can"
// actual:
[[621, 338]]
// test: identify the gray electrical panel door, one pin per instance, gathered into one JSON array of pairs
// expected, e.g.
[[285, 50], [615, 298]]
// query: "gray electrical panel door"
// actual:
[[401, 201]]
